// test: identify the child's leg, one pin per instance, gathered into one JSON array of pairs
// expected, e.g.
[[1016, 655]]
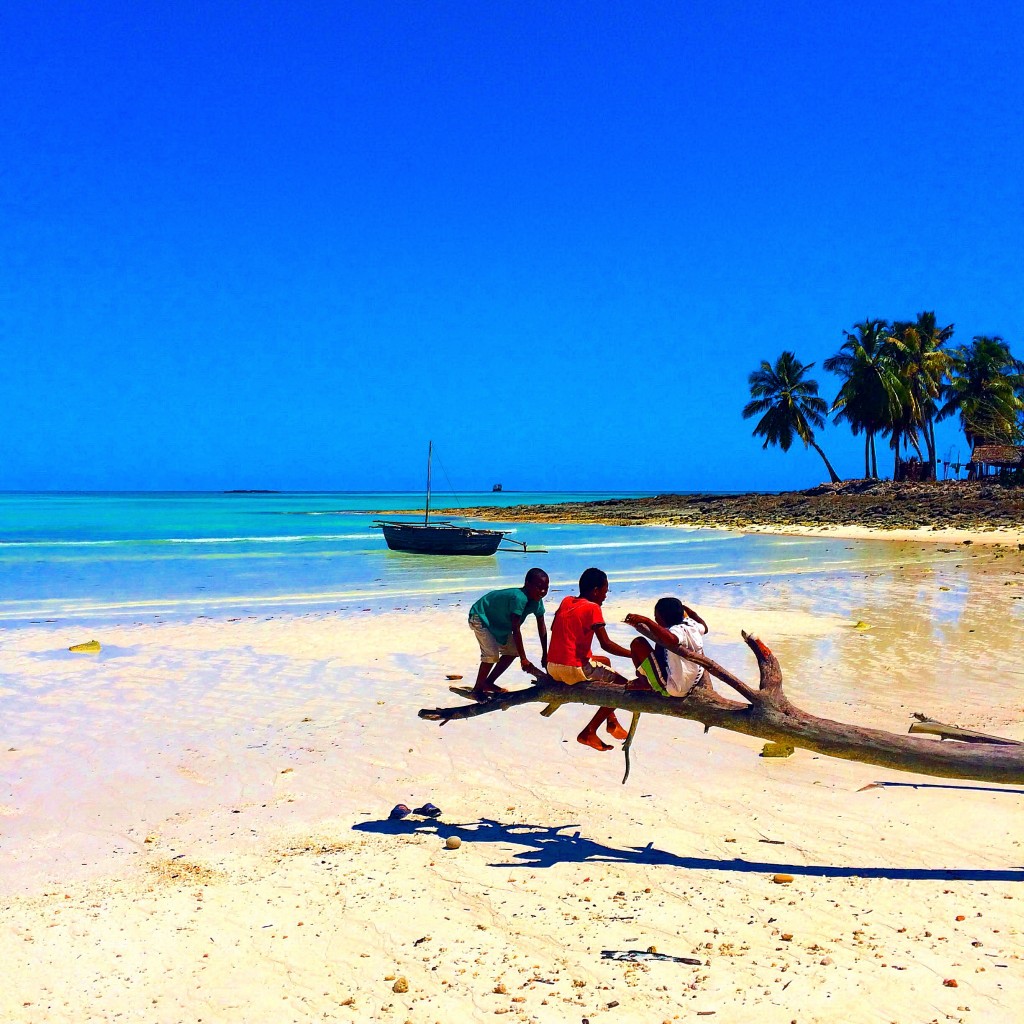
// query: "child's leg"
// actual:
[[487, 673], [589, 737], [605, 716], [640, 650], [599, 670], [647, 675], [481, 676], [491, 660], [496, 670], [613, 725]]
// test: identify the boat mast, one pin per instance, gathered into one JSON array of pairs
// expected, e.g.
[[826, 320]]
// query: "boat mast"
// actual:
[[426, 510]]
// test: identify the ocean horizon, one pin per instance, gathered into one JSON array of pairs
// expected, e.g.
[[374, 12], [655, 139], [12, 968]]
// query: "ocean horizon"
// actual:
[[107, 557]]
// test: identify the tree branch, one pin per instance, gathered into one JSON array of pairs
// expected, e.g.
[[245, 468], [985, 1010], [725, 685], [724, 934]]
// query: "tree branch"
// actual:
[[770, 715]]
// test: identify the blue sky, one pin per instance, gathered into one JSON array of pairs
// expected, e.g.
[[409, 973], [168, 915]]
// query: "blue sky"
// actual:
[[283, 244]]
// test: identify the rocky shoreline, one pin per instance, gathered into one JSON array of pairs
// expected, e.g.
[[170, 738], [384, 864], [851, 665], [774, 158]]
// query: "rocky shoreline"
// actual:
[[976, 506]]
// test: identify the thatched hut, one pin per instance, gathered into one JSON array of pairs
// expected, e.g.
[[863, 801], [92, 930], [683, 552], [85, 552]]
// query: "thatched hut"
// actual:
[[1003, 458]]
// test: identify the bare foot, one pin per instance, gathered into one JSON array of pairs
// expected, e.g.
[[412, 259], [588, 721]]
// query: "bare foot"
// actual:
[[486, 692], [591, 739], [640, 683], [615, 730]]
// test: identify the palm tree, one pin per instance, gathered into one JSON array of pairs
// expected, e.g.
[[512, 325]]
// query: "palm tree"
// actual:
[[985, 388], [921, 363], [788, 405], [872, 392]]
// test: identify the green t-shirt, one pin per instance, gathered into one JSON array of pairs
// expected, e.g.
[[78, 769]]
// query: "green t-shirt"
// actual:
[[495, 610]]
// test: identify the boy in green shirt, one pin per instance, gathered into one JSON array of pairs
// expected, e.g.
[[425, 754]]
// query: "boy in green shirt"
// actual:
[[496, 620]]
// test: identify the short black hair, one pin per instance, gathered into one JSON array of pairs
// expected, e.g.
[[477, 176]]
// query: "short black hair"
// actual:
[[536, 575], [670, 611], [592, 579]]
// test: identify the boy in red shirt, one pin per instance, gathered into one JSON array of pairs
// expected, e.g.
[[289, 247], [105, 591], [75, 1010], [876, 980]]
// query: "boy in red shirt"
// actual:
[[577, 621]]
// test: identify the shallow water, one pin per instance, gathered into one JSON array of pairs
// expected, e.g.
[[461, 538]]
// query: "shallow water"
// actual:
[[105, 558], [938, 615]]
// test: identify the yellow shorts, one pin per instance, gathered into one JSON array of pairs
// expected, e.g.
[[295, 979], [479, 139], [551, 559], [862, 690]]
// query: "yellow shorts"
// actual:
[[592, 670]]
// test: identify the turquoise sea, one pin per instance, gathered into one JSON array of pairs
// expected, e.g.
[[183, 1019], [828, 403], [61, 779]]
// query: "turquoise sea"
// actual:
[[100, 558]]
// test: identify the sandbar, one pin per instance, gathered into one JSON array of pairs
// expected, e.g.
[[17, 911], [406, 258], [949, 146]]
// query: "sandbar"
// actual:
[[951, 511]]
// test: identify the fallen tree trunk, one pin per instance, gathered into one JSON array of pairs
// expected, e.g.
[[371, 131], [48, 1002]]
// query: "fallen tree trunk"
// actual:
[[954, 732], [768, 714]]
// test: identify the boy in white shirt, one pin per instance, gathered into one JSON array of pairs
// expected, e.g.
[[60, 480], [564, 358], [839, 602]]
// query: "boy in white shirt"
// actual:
[[673, 624]]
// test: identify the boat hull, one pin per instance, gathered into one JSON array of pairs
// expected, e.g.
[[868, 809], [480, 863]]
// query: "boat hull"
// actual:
[[431, 539]]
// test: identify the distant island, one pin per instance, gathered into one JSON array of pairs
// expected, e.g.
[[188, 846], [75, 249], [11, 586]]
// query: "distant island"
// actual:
[[250, 490]]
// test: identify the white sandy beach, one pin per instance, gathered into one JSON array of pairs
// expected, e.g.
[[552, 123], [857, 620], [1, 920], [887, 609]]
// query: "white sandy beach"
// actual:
[[210, 843], [995, 535]]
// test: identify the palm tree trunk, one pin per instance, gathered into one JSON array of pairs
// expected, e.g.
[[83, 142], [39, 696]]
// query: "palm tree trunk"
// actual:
[[833, 476], [867, 455], [874, 458], [932, 459]]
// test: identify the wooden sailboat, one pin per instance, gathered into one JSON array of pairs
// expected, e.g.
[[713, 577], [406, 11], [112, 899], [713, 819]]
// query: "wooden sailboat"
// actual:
[[438, 537]]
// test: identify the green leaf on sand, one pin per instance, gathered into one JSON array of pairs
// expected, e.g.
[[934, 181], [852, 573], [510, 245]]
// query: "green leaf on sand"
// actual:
[[89, 647]]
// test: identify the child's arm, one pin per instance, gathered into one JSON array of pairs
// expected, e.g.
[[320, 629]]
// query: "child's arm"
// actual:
[[517, 636], [650, 629], [687, 610], [542, 635], [608, 644]]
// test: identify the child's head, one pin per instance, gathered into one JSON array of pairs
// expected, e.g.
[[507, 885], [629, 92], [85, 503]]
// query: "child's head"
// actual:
[[594, 585], [669, 612], [536, 584]]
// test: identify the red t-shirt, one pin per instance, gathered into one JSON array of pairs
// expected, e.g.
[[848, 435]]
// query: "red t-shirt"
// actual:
[[573, 631]]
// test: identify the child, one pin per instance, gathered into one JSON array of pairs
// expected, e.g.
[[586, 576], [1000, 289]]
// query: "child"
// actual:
[[496, 620], [577, 621], [673, 624]]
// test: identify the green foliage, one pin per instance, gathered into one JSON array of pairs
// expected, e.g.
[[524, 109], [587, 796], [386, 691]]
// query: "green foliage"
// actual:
[[985, 388], [787, 402], [896, 379], [872, 392]]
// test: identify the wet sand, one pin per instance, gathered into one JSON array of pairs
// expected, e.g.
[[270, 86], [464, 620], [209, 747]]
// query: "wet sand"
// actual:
[[195, 826]]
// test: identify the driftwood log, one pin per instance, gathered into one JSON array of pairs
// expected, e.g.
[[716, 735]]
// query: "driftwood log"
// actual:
[[767, 713]]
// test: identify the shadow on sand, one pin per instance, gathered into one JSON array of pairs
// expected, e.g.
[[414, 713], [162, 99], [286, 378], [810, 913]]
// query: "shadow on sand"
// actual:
[[947, 785], [547, 846]]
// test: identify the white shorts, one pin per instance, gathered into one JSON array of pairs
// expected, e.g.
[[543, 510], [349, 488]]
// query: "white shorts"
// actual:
[[490, 649]]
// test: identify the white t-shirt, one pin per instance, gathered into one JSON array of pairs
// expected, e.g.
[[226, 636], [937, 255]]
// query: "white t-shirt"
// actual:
[[680, 675]]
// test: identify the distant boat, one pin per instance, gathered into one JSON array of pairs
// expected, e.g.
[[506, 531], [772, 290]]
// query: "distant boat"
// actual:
[[439, 537]]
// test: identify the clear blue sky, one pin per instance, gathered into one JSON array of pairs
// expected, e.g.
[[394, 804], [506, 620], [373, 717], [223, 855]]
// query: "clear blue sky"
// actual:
[[283, 244]]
